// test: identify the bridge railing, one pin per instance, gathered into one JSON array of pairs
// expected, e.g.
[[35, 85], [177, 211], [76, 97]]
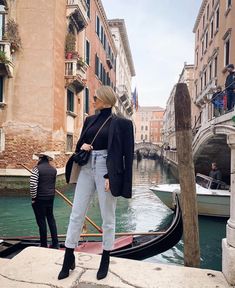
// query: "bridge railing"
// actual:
[[171, 155]]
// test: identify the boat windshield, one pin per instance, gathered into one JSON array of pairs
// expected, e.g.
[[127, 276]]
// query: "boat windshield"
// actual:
[[210, 183], [203, 182]]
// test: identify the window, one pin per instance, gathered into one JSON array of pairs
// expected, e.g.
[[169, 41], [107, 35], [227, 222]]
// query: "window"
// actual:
[[70, 101], [88, 3], [105, 42], [87, 52], [97, 65], [146, 137], [203, 46], [217, 18], [203, 21], [142, 128], [100, 71], [86, 102], [69, 143], [146, 128], [207, 11], [229, 3], [196, 90], [215, 66], [212, 28], [2, 21], [226, 51], [201, 82], [205, 78], [1, 89], [97, 26], [206, 39], [102, 34], [210, 71], [142, 137]]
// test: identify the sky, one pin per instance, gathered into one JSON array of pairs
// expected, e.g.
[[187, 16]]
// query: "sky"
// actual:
[[161, 40]]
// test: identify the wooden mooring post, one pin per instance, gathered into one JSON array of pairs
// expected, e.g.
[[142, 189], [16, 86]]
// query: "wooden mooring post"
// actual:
[[182, 103]]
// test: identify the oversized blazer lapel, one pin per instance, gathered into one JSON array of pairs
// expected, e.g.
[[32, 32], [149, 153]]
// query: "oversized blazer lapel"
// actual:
[[111, 130], [89, 125]]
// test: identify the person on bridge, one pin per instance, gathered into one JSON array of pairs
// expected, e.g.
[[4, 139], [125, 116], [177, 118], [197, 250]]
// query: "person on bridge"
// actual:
[[215, 172], [230, 87], [218, 102], [108, 171]]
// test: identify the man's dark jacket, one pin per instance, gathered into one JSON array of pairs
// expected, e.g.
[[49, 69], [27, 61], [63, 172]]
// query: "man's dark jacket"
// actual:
[[120, 153], [230, 81]]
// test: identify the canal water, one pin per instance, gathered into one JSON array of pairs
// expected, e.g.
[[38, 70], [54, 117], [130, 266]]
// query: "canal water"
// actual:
[[143, 212]]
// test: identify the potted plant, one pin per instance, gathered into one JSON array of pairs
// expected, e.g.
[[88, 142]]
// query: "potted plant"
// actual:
[[12, 35], [81, 63], [4, 59], [70, 43]]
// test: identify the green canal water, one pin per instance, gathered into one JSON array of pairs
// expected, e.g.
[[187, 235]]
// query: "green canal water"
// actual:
[[143, 212]]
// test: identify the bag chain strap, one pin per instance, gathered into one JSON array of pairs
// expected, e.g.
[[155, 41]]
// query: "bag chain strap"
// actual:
[[100, 129]]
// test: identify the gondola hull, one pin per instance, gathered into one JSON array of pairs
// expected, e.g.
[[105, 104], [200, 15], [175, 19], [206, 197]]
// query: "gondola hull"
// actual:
[[138, 248]]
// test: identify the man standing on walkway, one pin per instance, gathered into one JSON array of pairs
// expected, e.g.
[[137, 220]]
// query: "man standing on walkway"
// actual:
[[42, 190], [230, 87]]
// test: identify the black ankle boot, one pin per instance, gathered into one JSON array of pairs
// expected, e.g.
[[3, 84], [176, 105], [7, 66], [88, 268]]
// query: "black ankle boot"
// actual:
[[69, 263], [104, 265]]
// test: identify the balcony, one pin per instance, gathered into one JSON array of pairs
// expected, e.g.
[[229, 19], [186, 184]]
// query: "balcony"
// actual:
[[77, 12], [6, 65], [122, 92], [130, 110], [75, 74]]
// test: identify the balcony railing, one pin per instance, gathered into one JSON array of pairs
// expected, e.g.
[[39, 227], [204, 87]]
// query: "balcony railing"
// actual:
[[205, 95], [75, 74], [5, 48], [171, 156]]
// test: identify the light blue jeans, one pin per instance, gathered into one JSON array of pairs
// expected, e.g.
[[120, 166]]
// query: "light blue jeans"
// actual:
[[90, 180]]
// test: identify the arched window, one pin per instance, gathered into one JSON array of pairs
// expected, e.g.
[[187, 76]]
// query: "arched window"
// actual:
[[2, 20]]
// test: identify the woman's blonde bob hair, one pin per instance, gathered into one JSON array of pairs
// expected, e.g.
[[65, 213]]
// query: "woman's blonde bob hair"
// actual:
[[107, 95]]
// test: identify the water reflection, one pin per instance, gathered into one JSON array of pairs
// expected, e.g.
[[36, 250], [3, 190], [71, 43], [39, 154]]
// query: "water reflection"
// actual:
[[142, 213]]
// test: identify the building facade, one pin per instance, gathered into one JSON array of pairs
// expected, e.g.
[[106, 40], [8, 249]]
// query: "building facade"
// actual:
[[100, 53], [148, 124], [168, 131], [34, 106], [214, 39], [58, 54], [124, 67]]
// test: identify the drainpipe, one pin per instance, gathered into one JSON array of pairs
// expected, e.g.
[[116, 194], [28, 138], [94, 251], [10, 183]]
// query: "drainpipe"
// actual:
[[228, 244]]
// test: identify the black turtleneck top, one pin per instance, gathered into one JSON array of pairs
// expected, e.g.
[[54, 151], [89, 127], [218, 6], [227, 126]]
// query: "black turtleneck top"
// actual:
[[101, 141]]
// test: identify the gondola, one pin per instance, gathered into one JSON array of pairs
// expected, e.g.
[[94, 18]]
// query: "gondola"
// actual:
[[131, 247]]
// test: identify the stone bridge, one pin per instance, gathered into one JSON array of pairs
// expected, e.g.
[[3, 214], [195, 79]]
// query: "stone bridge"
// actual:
[[147, 146], [210, 144]]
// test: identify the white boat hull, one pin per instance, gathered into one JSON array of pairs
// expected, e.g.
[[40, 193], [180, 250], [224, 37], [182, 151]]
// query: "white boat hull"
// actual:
[[209, 202]]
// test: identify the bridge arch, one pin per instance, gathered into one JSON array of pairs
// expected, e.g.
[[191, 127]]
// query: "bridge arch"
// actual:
[[210, 145], [147, 146]]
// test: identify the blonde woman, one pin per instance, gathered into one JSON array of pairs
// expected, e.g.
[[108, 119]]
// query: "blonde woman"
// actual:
[[108, 171]]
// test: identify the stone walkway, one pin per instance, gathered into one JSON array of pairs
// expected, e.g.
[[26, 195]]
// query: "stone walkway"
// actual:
[[39, 267]]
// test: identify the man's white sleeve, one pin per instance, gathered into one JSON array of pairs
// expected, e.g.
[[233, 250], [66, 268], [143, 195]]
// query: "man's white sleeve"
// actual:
[[33, 182]]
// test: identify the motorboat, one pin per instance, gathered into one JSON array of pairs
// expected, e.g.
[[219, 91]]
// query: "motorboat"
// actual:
[[213, 196]]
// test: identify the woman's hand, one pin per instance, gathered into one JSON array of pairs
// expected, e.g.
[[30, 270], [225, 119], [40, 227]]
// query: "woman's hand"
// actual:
[[106, 185], [86, 147]]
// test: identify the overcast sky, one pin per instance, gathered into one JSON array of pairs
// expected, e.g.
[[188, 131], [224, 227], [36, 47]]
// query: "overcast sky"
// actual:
[[161, 40]]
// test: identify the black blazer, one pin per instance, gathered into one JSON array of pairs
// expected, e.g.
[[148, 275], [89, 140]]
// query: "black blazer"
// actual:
[[120, 153]]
